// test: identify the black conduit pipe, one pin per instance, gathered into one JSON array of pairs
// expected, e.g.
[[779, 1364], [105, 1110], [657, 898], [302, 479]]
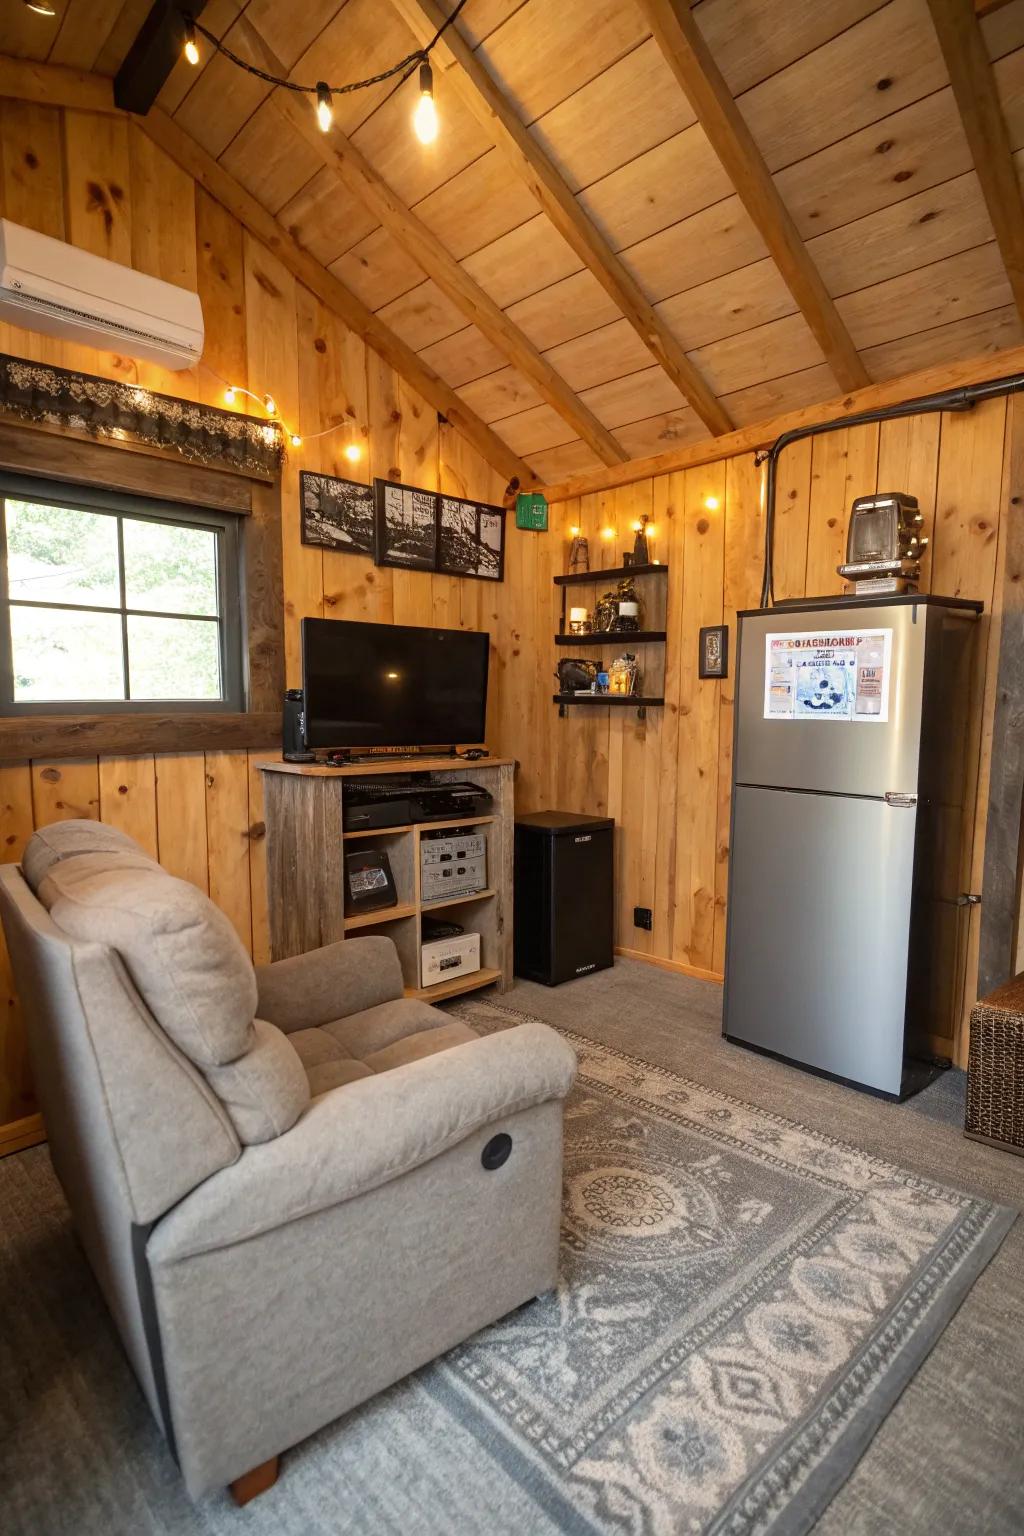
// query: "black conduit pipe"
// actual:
[[948, 400]]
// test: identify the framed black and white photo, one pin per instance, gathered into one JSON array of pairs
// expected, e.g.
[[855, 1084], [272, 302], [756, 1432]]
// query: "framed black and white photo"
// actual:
[[405, 526], [336, 514], [471, 539], [713, 660]]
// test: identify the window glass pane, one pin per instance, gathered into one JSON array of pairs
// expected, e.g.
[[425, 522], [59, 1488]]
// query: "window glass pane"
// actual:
[[173, 570], [62, 654], [173, 658], [61, 555]]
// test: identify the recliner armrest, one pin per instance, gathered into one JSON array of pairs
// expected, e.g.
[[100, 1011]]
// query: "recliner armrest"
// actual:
[[365, 1134], [329, 983]]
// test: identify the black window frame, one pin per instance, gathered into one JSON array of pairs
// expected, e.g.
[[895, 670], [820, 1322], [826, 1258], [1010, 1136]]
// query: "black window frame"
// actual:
[[230, 592]]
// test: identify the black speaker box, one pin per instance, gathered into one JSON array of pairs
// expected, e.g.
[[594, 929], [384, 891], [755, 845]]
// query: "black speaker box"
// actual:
[[564, 896]]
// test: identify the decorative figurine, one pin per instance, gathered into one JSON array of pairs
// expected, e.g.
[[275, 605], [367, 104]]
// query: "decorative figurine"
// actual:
[[641, 551], [579, 555], [576, 675], [606, 611]]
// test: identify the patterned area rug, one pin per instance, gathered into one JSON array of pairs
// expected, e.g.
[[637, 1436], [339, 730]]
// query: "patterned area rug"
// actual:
[[741, 1302]]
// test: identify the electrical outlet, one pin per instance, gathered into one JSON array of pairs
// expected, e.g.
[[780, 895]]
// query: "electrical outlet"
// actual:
[[642, 917]]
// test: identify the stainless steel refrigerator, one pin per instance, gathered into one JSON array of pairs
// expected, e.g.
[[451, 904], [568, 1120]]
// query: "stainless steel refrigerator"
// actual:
[[849, 773]]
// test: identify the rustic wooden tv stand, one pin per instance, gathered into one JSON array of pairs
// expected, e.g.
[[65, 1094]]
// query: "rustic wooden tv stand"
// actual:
[[305, 873]]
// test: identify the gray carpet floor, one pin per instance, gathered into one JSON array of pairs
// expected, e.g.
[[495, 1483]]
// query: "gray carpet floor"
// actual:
[[948, 1459]]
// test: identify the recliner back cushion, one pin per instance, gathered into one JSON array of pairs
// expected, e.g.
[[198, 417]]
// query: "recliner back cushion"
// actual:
[[66, 840], [182, 953]]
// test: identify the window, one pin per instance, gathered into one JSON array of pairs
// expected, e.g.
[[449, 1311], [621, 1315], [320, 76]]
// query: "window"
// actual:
[[110, 602]]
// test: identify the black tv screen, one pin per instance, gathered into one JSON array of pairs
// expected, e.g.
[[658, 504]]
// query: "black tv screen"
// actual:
[[392, 685]]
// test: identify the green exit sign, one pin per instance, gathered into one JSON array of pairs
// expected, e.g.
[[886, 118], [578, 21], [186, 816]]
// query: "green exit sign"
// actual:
[[531, 511]]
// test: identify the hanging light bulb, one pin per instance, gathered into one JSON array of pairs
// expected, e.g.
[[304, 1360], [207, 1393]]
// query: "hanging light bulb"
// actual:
[[191, 46], [424, 119], [296, 440], [324, 110], [575, 531], [229, 395], [607, 533], [270, 405], [353, 452]]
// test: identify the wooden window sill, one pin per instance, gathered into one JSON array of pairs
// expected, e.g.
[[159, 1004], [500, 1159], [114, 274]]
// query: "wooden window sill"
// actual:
[[128, 735]]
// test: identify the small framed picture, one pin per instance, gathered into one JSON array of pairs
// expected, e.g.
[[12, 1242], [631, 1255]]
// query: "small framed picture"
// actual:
[[471, 539], [405, 524], [336, 514], [713, 660]]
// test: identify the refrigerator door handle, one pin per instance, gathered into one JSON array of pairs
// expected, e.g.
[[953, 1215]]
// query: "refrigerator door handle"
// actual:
[[899, 797]]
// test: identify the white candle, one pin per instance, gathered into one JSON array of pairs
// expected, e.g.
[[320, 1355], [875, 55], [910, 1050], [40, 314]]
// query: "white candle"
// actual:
[[577, 615]]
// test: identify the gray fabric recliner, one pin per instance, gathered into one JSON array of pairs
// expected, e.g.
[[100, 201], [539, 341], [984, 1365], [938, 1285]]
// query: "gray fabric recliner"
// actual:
[[276, 1174]]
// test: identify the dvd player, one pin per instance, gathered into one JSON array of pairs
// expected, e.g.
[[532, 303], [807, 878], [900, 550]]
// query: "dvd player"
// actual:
[[371, 803]]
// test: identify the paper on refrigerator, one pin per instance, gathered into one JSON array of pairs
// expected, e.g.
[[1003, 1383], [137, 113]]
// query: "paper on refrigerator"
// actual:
[[828, 675]]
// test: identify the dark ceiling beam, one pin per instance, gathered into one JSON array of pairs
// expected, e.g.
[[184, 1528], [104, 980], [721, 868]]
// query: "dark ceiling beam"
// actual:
[[154, 53]]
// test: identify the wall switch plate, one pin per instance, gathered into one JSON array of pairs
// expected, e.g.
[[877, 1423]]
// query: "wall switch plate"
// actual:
[[642, 917]]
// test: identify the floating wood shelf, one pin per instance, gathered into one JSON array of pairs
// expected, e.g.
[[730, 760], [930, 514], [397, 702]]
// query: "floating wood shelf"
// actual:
[[623, 700], [616, 637], [440, 989], [613, 573]]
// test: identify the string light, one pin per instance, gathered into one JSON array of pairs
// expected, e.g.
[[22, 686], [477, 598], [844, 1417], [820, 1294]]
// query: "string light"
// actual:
[[424, 117], [712, 503], [295, 440], [324, 110], [575, 531], [607, 533], [353, 452]]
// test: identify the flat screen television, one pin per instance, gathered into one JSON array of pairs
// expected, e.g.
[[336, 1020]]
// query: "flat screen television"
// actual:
[[392, 685]]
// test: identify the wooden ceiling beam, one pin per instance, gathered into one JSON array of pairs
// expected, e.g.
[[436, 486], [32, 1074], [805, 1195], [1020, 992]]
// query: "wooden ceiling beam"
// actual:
[[974, 88], [534, 167], [153, 54], [690, 60], [54, 86], [761, 434], [355, 172]]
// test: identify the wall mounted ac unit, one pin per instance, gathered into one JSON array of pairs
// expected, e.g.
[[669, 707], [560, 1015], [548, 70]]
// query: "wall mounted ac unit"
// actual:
[[47, 285]]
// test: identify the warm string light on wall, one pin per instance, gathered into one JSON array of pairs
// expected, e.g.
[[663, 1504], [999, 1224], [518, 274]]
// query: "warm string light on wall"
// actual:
[[352, 451], [424, 118]]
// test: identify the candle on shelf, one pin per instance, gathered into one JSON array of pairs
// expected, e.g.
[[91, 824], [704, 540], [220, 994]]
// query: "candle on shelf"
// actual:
[[579, 621]]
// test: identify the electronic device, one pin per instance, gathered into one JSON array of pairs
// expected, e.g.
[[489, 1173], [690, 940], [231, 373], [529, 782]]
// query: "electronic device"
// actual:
[[438, 928], [369, 883], [47, 285], [392, 685], [441, 959], [564, 896], [408, 797], [452, 863], [884, 545], [292, 749]]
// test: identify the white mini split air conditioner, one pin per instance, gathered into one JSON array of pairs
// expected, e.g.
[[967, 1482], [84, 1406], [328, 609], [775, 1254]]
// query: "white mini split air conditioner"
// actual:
[[47, 285]]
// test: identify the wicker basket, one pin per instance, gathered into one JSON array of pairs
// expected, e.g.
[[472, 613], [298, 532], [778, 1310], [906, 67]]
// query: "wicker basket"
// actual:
[[995, 1069]]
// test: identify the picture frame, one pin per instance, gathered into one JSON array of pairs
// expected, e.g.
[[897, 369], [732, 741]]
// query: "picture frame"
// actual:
[[337, 514], [405, 526], [713, 656], [470, 538]]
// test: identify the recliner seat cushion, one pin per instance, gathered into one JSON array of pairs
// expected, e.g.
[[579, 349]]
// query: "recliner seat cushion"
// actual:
[[375, 1041], [67, 839], [181, 952]]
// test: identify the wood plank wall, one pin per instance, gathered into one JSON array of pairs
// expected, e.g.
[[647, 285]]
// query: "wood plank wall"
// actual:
[[667, 780], [101, 184]]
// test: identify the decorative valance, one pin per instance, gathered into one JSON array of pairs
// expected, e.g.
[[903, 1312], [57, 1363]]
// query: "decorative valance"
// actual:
[[108, 408]]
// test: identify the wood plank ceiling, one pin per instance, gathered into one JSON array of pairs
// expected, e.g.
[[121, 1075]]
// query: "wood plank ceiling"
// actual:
[[581, 255]]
